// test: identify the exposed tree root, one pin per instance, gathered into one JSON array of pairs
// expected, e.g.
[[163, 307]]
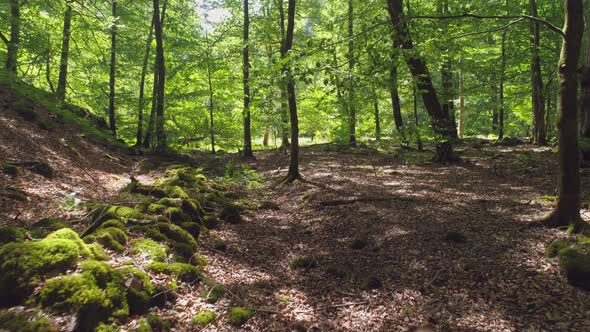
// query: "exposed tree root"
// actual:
[[557, 219]]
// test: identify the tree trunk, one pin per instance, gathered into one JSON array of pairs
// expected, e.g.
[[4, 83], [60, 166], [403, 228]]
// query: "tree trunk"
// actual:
[[146, 58], [65, 51], [537, 81], [351, 63], [416, 122], [502, 83], [283, 85], [211, 106], [461, 105], [494, 105], [585, 78], [441, 122], [112, 124], [161, 69], [266, 136], [396, 104], [567, 211], [294, 162], [12, 45], [246, 70], [377, 120], [448, 106]]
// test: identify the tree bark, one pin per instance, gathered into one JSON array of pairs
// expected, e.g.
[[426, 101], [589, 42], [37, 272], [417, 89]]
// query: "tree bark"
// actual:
[[282, 83], [294, 161], [567, 211], [161, 69], [65, 51], [502, 83], [440, 120], [461, 132], [537, 81], [211, 105], [494, 104], [351, 86], [416, 122], [12, 45], [447, 80], [246, 71], [146, 58], [112, 124], [585, 78], [396, 104], [377, 119]]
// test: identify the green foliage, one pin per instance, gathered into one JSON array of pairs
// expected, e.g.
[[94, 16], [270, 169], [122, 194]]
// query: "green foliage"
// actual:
[[239, 316], [204, 318]]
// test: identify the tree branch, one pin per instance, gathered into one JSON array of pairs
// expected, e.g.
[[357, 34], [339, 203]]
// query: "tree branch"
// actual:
[[491, 30], [4, 39], [548, 24]]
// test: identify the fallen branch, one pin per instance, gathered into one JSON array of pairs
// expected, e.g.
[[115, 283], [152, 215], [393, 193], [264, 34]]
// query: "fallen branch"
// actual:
[[335, 306]]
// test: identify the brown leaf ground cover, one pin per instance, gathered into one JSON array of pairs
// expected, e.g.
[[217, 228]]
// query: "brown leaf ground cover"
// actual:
[[446, 247]]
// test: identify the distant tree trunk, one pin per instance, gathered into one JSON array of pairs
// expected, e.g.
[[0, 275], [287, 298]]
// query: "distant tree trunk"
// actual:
[[494, 105], [161, 69], [448, 106], [377, 120], [112, 124], [266, 136], [12, 44], [283, 85], [48, 65], [246, 70], [537, 81], [396, 104], [146, 58], [567, 211], [211, 106], [351, 86], [416, 122], [502, 83], [65, 51], [294, 162], [441, 122], [585, 78], [461, 132]]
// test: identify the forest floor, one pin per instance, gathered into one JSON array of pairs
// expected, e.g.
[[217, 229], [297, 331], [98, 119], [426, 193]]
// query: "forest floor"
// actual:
[[397, 243]]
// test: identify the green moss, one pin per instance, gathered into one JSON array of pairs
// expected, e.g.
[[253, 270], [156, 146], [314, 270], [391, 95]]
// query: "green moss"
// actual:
[[22, 322], [192, 207], [157, 323], [150, 248], [156, 208], [192, 228], [112, 238], [213, 294], [184, 272], [113, 223], [169, 202], [98, 251], [557, 245], [303, 263], [219, 244], [211, 221], [51, 224], [12, 234], [231, 213], [138, 301], [284, 298], [10, 169], [177, 234], [575, 261], [204, 318], [239, 316], [143, 326], [177, 192], [176, 215], [102, 327], [23, 265], [68, 234]]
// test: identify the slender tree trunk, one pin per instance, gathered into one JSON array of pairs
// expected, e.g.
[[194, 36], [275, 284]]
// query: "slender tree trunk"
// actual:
[[246, 70], [12, 45], [396, 104], [441, 123], [294, 162], [537, 81], [377, 120], [585, 78], [65, 51], [112, 124], [567, 211], [416, 122], [266, 136], [161, 69], [146, 58], [461, 105], [502, 83], [211, 106], [351, 86], [494, 104], [282, 84], [48, 66]]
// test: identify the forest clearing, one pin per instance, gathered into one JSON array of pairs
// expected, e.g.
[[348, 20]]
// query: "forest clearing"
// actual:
[[284, 165]]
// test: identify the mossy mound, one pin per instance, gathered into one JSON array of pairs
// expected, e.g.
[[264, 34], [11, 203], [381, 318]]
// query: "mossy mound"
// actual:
[[176, 192], [204, 318], [25, 322], [176, 215], [193, 208], [239, 316], [46, 225], [102, 212], [184, 272], [157, 323], [100, 294], [149, 248], [575, 261], [169, 202], [69, 234], [143, 326], [557, 245], [113, 223], [213, 294], [12, 234], [23, 265], [177, 235], [302, 263], [111, 237], [231, 213], [98, 251], [192, 228], [10, 169], [155, 208]]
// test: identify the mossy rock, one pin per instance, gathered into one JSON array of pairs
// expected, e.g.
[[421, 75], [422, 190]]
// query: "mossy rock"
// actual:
[[143, 326], [575, 261], [149, 248], [25, 322], [192, 207], [184, 272], [219, 244], [177, 192], [98, 251], [239, 316], [69, 234], [46, 225], [192, 228], [204, 318], [10, 169], [176, 215], [213, 293], [157, 323], [111, 237], [113, 223], [156, 208], [12, 234], [177, 234], [557, 245], [169, 202], [103, 212], [211, 221], [231, 214], [303, 263]]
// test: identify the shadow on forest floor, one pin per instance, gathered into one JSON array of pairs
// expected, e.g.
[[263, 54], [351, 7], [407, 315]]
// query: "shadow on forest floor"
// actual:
[[449, 244]]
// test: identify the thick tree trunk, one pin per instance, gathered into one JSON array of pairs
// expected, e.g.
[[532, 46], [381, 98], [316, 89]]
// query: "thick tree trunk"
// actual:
[[585, 78], [112, 124], [161, 69], [282, 84], [441, 122], [351, 79], [396, 104], [65, 51], [537, 81], [146, 58], [567, 212], [246, 71], [294, 162], [377, 118], [12, 45]]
